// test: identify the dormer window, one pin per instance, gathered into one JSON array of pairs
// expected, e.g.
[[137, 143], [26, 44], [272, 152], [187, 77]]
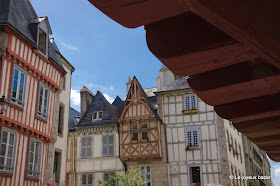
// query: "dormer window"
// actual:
[[97, 115], [42, 40]]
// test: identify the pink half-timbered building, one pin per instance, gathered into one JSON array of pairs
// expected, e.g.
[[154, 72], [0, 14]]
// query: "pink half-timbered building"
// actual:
[[30, 80]]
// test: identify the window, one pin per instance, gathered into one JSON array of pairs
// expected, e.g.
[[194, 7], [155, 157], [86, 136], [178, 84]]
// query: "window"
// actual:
[[86, 147], [42, 40], [192, 136], [144, 135], [108, 175], [18, 87], [146, 172], [97, 115], [34, 158], [56, 167], [190, 101], [63, 83], [134, 127], [43, 101], [195, 175], [87, 180], [60, 119], [76, 119], [144, 126], [108, 145], [7, 150], [134, 136]]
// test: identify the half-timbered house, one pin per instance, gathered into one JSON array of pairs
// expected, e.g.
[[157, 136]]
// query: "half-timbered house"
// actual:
[[94, 142], [142, 136], [31, 73], [203, 149]]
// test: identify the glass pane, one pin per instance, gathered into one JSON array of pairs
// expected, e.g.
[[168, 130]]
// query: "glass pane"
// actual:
[[145, 135], [142, 168], [41, 99], [31, 157], [94, 115], [42, 41], [105, 140], [10, 151], [84, 179], [12, 139], [195, 138], [1, 160], [3, 149], [9, 162], [88, 152], [105, 149], [21, 86], [100, 115], [193, 102], [148, 169], [148, 177], [32, 146], [187, 101], [189, 138], [46, 101], [144, 126], [135, 136], [89, 179], [4, 137]]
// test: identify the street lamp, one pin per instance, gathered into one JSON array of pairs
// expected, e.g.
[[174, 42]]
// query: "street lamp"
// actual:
[[3, 104]]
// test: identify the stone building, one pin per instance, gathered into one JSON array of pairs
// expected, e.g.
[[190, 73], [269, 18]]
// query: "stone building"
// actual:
[[196, 138], [256, 163], [142, 139], [94, 142], [31, 80]]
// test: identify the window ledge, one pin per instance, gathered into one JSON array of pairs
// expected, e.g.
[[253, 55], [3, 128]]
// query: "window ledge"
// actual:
[[32, 179], [15, 106], [189, 111], [44, 120], [6, 174]]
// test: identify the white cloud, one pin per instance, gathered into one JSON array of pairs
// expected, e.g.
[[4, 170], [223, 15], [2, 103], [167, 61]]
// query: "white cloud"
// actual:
[[110, 99], [277, 171], [70, 47], [75, 97], [102, 88]]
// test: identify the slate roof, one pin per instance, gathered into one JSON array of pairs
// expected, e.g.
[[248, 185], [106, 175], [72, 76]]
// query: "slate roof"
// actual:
[[146, 97], [100, 103], [118, 102], [178, 84], [17, 14], [72, 113]]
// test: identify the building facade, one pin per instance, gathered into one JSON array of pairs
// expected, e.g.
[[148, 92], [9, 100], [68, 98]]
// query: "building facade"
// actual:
[[95, 142], [198, 152], [142, 137], [31, 73]]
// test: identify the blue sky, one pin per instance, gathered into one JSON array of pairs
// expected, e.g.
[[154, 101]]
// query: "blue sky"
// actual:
[[103, 52]]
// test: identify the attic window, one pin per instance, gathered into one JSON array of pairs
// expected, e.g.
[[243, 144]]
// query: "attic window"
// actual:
[[42, 41], [97, 115]]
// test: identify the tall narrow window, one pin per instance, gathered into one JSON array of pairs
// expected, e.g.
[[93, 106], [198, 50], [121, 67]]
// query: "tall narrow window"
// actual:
[[146, 172], [87, 180], [42, 41], [190, 102], [56, 167], [195, 175], [43, 101], [108, 145], [60, 119], [7, 150], [18, 88], [34, 158], [86, 147], [192, 136]]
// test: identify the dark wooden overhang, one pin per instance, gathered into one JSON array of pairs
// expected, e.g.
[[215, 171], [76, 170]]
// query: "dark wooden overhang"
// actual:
[[230, 50]]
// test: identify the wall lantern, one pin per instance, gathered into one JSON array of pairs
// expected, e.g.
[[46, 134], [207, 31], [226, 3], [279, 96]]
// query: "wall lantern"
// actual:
[[3, 104]]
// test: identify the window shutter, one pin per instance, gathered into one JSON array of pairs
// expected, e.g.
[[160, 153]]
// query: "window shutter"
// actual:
[[83, 148], [187, 103], [105, 145], [111, 145], [88, 147]]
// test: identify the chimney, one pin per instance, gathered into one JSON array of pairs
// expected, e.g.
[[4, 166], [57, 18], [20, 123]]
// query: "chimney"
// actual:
[[166, 77], [86, 98], [128, 84]]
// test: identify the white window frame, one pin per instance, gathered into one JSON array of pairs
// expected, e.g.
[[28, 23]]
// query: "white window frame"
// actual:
[[40, 112], [189, 175], [144, 124], [108, 145], [97, 115], [145, 173], [4, 166], [192, 129], [15, 100], [87, 180], [36, 167], [192, 105], [86, 147]]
